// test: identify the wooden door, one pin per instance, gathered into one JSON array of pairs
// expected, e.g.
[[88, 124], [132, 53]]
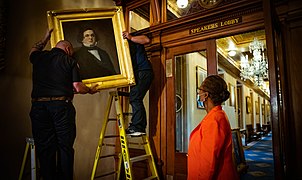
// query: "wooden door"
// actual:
[[191, 63]]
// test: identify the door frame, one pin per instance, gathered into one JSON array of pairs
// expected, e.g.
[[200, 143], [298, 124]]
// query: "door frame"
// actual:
[[177, 161], [278, 90]]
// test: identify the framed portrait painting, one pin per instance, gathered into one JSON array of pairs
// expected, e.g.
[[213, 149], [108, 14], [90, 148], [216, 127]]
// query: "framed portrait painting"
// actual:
[[248, 104], [101, 52], [201, 74], [257, 107], [232, 99], [238, 152]]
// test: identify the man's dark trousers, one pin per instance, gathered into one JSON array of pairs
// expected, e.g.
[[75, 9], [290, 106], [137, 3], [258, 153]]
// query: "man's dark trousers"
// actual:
[[54, 132], [143, 80]]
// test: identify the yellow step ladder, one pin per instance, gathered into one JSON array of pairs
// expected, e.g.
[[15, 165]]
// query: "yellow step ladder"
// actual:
[[123, 156]]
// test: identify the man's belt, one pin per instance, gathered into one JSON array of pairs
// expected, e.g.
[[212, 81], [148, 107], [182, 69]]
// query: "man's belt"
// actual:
[[60, 98]]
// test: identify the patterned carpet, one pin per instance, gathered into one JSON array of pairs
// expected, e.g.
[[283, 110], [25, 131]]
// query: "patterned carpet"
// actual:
[[259, 158]]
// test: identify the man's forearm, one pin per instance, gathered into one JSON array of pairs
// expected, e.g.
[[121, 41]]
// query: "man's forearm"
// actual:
[[80, 88], [39, 46], [141, 39]]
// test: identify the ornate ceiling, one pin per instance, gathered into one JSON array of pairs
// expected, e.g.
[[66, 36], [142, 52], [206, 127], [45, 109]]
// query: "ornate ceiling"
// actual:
[[240, 44]]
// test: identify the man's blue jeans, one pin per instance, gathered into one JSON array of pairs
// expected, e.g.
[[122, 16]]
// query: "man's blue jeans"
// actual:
[[143, 80]]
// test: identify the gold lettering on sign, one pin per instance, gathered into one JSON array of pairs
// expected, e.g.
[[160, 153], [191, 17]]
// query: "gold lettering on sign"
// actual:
[[229, 22], [204, 28], [215, 25]]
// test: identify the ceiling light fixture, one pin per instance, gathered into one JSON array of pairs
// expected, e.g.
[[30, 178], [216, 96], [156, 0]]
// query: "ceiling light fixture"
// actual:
[[257, 68], [182, 3], [232, 53]]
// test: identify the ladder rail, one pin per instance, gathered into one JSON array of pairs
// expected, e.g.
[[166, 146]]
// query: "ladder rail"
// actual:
[[29, 144], [149, 152], [123, 138], [103, 130], [23, 162]]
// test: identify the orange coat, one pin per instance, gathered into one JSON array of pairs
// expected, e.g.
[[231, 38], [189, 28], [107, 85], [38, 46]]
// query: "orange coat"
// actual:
[[210, 148]]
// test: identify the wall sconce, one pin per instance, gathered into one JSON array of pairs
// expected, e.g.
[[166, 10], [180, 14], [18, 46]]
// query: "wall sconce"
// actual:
[[182, 3]]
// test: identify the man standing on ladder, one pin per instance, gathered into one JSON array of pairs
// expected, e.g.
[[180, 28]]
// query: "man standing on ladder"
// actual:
[[143, 74], [55, 80]]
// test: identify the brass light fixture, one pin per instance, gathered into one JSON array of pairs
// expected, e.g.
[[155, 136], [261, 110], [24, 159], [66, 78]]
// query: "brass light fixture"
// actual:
[[182, 3]]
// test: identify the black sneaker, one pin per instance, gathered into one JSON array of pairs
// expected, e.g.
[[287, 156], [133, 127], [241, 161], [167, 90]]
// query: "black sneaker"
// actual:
[[132, 132]]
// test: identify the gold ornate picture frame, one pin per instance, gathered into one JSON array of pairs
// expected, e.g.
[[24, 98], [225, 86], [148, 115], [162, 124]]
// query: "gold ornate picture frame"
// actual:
[[238, 152], [201, 74], [108, 25], [248, 104], [257, 107]]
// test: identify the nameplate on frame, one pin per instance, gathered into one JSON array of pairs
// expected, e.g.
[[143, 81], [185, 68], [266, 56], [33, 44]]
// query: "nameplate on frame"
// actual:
[[215, 25]]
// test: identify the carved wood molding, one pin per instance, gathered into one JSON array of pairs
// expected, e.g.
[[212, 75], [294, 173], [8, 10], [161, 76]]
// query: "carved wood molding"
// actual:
[[237, 8]]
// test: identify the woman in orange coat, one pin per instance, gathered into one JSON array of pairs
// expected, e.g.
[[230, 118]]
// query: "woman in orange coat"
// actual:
[[210, 147]]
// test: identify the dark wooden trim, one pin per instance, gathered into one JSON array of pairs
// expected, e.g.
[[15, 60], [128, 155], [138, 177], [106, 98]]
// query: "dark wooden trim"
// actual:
[[155, 112], [212, 60], [163, 11], [238, 8], [130, 6], [155, 15], [274, 89], [291, 98], [163, 114], [170, 114]]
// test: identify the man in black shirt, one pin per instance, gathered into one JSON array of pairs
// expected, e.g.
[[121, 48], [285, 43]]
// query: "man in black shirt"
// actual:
[[143, 74], [55, 80]]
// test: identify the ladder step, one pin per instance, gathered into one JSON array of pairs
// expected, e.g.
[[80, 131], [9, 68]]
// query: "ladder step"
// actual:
[[111, 136], [151, 177], [112, 119], [139, 144], [140, 158], [110, 155], [108, 144], [105, 174], [121, 93]]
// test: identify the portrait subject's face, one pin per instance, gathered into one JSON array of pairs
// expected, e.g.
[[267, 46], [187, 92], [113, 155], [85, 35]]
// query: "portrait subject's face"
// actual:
[[89, 38]]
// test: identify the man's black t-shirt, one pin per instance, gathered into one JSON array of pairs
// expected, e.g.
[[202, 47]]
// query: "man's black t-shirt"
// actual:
[[139, 57], [53, 73]]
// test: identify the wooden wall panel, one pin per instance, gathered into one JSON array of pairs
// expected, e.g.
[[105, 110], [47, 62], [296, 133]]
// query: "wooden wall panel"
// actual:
[[293, 45]]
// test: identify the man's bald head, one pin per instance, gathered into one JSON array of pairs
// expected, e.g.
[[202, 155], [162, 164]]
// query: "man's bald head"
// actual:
[[65, 46]]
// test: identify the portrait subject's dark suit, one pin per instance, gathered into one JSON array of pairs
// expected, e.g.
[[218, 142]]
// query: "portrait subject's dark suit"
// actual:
[[90, 66]]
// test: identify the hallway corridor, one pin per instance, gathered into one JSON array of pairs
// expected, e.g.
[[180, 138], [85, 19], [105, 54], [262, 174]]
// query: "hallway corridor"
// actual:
[[259, 158]]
